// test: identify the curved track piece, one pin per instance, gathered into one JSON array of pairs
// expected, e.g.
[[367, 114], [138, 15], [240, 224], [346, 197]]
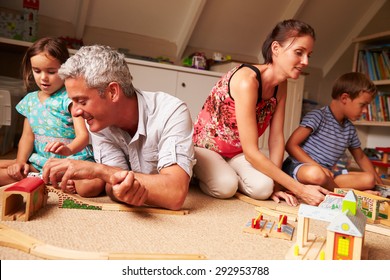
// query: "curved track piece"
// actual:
[[18, 240]]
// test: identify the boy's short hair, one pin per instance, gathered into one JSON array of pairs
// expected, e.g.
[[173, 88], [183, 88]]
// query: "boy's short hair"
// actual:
[[353, 83]]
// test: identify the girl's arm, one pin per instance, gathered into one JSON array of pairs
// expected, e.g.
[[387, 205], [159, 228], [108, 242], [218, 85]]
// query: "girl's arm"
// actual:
[[20, 168], [79, 142], [26, 143], [82, 136]]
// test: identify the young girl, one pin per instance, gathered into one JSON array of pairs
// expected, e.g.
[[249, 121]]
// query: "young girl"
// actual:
[[240, 107], [49, 130]]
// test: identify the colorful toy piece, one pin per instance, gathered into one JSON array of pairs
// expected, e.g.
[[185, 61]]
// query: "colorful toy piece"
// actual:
[[280, 229], [375, 208], [382, 167], [256, 222], [282, 221], [23, 199]]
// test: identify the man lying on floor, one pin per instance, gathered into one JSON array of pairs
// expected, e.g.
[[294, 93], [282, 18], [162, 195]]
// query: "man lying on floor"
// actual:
[[142, 141]]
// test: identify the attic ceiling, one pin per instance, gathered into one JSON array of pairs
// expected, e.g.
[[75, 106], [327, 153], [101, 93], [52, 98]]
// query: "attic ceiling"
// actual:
[[235, 27]]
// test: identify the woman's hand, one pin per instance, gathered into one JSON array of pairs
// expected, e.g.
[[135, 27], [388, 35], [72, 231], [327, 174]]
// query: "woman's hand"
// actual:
[[313, 194], [288, 197]]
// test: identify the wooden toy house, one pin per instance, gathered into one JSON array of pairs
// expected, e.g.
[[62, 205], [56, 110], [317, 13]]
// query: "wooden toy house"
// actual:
[[375, 208], [345, 232], [23, 199]]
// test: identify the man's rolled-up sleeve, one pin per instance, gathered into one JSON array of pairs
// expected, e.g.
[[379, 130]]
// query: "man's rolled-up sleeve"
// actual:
[[176, 146]]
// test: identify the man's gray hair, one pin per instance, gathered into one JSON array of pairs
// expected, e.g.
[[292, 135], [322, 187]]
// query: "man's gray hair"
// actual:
[[99, 65]]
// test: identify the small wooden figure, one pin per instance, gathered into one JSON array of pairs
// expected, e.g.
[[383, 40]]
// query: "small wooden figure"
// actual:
[[23, 199]]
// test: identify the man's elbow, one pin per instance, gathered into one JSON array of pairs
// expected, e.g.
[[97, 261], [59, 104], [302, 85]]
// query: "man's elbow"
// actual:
[[177, 201]]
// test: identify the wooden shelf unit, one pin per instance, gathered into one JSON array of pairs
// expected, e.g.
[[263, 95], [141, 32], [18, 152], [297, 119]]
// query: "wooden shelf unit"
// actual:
[[373, 133]]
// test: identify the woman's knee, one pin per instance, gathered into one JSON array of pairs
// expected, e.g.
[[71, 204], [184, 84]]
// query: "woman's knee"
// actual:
[[222, 186], [260, 189], [216, 177]]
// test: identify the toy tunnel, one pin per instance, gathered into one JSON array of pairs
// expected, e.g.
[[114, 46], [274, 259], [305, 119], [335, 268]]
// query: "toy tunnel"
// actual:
[[15, 207], [23, 199]]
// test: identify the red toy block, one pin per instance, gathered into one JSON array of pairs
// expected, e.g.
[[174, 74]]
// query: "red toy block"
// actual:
[[256, 223], [283, 218]]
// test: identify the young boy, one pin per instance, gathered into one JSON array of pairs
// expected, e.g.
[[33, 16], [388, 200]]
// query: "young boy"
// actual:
[[324, 135]]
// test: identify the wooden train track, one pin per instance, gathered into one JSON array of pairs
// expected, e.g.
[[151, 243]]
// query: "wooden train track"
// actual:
[[18, 240], [272, 205], [77, 202]]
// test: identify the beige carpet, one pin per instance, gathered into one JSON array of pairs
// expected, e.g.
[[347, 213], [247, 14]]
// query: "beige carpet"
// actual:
[[213, 229]]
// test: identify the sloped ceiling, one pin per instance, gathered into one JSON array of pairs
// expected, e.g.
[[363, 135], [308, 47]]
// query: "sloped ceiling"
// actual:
[[235, 27]]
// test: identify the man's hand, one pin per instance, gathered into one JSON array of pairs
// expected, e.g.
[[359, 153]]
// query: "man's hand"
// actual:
[[127, 189], [62, 170]]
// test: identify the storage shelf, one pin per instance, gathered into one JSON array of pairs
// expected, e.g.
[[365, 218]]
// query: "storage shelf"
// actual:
[[373, 133], [371, 123], [367, 44], [374, 38], [381, 82], [22, 45]]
